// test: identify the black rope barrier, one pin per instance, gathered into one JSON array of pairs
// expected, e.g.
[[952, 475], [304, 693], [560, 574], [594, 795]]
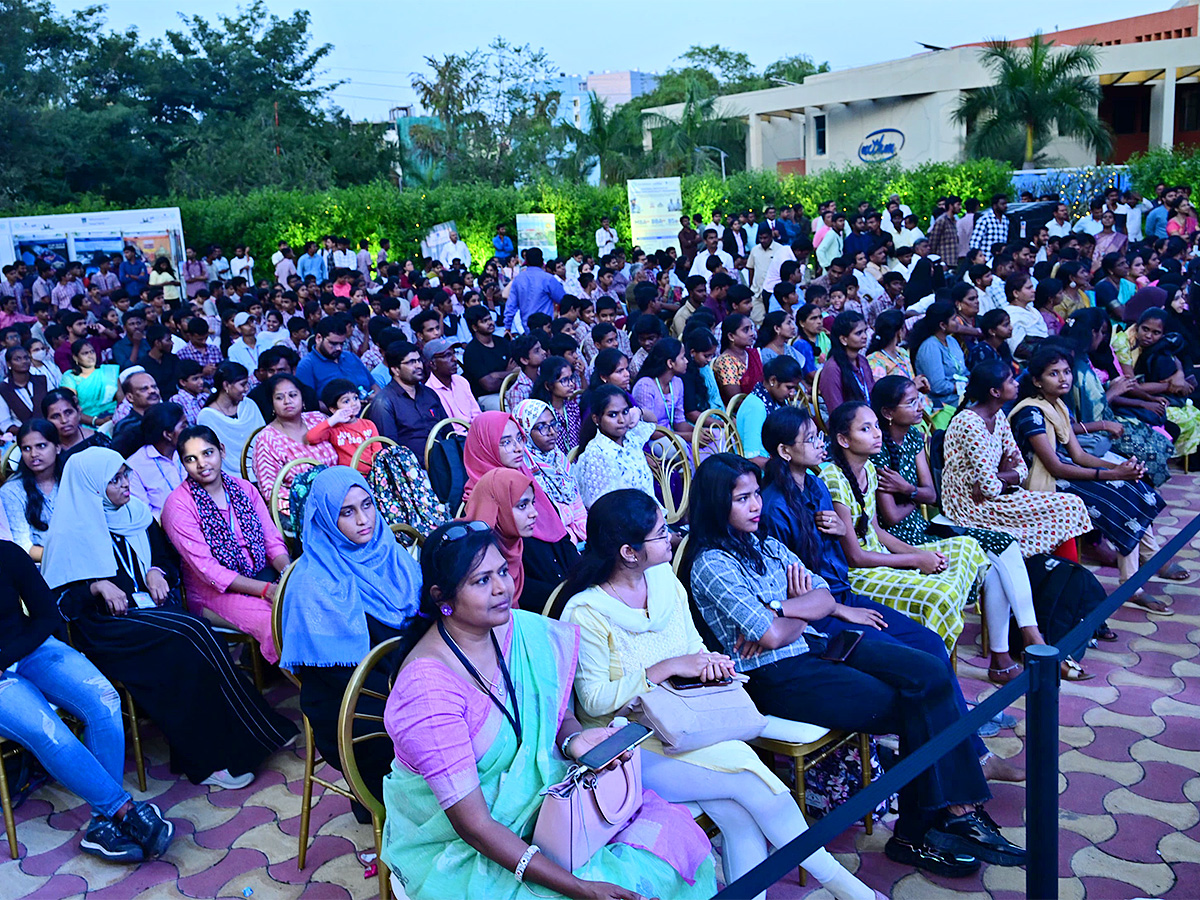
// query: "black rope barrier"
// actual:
[[1041, 807]]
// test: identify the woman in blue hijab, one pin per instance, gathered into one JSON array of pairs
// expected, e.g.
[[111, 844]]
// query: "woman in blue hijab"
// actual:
[[352, 588]]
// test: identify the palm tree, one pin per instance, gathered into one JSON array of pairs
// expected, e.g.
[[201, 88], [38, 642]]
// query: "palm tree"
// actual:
[[1038, 91], [698, 127], [611, 142]]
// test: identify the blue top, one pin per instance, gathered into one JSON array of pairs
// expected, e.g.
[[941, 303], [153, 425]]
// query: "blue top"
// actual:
[[312, 265], [941, 364], [533, 290], [503, 245], [317, 370], [1155, 225], [134, 277], [750, 418], [779, 520]]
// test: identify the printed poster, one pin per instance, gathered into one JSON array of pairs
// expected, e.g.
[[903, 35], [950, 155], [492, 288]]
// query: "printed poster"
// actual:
[[537, 230], [437, 238], [655, 205]]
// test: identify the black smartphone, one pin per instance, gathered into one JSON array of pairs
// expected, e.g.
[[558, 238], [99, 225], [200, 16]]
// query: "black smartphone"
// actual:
[[841, 645], [683, 684], [610, 748]]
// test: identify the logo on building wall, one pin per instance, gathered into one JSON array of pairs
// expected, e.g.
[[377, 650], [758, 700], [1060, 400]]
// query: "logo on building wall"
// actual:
[[881, 145]]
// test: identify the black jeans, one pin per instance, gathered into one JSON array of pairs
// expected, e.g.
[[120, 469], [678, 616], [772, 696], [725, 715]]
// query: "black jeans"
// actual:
[[883, 688]]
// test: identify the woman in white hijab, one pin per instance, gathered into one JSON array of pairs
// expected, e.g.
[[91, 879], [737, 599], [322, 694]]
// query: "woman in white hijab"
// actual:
[[109, 566]]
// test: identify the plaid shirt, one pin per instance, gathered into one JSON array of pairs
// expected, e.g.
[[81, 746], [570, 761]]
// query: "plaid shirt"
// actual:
[[733, 599], [943, 238], [209, 356], [190, 404], [989, 229]]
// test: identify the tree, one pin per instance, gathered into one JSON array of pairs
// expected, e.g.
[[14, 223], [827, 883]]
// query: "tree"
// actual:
[[699, 127], [1038, 91], [612, 142], [794, 69]]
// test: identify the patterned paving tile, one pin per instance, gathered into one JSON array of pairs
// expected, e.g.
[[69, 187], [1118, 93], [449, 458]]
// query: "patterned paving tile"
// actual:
[[1129, 793]]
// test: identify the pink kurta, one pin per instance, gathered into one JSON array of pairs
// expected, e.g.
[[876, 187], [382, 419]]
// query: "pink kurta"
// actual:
[[273, 450], [205, 580]]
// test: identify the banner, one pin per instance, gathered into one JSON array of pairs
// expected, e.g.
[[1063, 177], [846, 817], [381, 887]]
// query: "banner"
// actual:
[[437, 238], [82, 236], [655, 205], [537, 230]]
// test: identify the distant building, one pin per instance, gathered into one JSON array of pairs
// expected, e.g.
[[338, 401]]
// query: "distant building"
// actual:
[[614, 88], [1149, 72]]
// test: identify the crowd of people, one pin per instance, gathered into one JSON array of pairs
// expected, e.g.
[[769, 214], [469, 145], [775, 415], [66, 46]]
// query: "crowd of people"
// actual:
[[922, 420]]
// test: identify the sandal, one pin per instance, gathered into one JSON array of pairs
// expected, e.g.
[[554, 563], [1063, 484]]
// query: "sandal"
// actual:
[[1173, 571], [1104, 633], [1152, 605], [1073, 671], [1003, 676]]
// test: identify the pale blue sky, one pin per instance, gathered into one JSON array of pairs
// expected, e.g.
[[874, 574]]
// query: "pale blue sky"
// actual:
[[377, 44]]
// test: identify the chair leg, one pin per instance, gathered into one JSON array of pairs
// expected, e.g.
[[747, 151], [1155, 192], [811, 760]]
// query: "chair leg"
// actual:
[[381, 869], [984, 635], [135, 737], [10, 825], [954, 659], [256, 662], [864, 757], [798, 768], [306, 800]]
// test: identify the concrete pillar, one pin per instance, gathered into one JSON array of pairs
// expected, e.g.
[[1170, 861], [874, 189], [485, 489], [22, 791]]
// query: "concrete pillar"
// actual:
[[647, 138], [1162, 110], [754, 143]]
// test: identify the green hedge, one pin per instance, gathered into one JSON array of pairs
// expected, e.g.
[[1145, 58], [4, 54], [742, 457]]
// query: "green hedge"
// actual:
[[1177, 166], [374, 211]]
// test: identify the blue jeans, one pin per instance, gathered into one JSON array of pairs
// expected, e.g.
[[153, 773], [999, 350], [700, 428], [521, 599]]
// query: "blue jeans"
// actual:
[[58, 674]]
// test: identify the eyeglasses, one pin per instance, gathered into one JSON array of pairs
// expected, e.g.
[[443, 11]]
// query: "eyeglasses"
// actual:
[[544, 427], [567, 379], [460, 531], [509, 442], [663, 535]]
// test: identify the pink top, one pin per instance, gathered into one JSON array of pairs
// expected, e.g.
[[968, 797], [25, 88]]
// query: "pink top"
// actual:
[[273, 450], [204, 578], [457, 399]]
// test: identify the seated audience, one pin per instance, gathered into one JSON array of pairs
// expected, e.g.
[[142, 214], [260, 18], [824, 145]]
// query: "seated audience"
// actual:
[[739, 367], [659, 388], [938, 358], [27, 496], [232, 416], [846, 376], [154, 468], [286, 439], [782, 377], [344, 430], [611, 445], [549, 466], [61, 407], [406, 410], [94, 385], [557, 385]]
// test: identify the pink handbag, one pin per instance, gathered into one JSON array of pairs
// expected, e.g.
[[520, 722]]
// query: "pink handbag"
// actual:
[[582, 813]]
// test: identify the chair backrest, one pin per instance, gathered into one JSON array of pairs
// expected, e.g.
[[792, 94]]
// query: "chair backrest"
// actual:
[[277, 616], [248, 451], [348, 741], [436, 434], [9, 460], [572, 455], [553, 597], [362, 448], [734, 402], [409, 538], [677, 559], [671, 467], [277, 488], [447, 468], [814, 403], [509, 380], [715, 430]]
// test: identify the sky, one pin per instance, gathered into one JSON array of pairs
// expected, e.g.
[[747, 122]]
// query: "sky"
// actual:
[[377, 45]]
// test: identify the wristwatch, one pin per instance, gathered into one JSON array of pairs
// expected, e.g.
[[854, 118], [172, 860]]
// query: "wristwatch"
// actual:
[[777, 606]]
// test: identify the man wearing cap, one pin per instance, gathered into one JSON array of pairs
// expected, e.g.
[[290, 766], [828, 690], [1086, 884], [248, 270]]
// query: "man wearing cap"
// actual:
[[452, 389], [534, 290], [141, 392], [245, 349]]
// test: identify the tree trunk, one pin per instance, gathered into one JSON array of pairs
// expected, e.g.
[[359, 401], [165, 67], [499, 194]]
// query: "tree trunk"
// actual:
[[1028, 147]]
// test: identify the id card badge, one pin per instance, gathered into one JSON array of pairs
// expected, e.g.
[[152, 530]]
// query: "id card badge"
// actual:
[[142, 600]]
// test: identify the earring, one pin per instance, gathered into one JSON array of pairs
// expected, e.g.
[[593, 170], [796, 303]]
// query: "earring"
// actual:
[[447, 610]]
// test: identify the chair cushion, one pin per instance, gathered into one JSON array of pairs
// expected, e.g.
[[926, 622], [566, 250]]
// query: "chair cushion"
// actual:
[[793, 732]]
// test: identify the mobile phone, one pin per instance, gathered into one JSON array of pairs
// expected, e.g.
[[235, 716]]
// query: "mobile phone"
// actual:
[[841, 645], [610, 748], [683, 684]]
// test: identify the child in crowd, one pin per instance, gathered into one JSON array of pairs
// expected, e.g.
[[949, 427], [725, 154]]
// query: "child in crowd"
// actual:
[[192, 391], [344, 430]]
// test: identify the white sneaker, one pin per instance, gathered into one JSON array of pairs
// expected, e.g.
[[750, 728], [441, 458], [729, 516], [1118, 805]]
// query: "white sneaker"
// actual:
[[223, 779]]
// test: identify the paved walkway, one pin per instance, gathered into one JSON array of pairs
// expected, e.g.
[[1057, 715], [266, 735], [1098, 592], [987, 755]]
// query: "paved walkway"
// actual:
[[1129, 793]]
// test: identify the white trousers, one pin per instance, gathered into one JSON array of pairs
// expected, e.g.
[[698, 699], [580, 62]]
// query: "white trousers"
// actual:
[[1006, 590]]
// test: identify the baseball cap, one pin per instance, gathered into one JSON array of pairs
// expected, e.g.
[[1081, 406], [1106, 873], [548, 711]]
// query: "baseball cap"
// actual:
[[437, 346], [241, 319]]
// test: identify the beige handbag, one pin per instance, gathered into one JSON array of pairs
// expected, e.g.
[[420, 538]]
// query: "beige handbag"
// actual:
[[690, 718]]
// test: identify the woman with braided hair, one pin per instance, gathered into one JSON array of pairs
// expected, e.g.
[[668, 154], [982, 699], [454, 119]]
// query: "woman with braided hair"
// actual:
[[931, 583]]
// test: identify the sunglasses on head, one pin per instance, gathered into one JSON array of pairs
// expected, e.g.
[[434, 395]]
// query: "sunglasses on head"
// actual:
[[460, 531]]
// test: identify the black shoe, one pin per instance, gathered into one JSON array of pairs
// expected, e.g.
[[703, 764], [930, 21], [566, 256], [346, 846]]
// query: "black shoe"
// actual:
[[104, 839], [977, 834], [931, 859], [146, 825]]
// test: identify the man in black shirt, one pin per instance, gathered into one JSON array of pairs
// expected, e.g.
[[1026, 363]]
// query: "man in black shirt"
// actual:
[[487, 358], [160, 362], [406, 410], [273, 361]]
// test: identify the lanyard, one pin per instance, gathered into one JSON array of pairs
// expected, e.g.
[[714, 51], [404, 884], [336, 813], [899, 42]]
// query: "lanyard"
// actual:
[[514, 717]]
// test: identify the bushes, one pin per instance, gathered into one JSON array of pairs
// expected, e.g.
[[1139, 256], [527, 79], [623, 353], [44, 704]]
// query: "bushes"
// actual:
[[373, 211], [1177, 166]]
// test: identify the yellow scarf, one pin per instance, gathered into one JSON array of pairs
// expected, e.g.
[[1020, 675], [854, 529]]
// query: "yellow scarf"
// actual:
[[1058, 424]]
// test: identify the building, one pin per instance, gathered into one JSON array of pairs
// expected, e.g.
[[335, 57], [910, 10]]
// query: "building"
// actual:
[[614, 88], [903, 109]]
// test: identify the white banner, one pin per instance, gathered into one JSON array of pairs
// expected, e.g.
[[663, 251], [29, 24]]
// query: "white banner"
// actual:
[[81, 236], [537, 230], [655, 205]]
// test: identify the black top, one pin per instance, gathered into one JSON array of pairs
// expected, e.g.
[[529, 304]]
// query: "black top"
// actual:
[[479, 361], [406, 420], [23, 632], [77, 597], [546, 566], [165, 373]]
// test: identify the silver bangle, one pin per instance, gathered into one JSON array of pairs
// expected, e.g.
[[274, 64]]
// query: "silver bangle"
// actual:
[[524, 863], [562, 748]]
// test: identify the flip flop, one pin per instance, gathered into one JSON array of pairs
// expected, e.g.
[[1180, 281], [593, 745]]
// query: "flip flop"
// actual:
[[1104, 633], [1173, 571], [1152, 605], [1073, 671]]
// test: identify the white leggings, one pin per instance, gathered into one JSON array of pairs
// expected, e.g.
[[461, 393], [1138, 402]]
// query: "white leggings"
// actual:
[[749, 815], [1006, 590]]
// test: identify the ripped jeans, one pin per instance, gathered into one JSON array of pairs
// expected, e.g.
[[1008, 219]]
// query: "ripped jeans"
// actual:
[[57, 674]]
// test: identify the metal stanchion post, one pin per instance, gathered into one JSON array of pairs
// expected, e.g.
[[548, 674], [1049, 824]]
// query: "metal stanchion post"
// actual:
[[1041, 798]]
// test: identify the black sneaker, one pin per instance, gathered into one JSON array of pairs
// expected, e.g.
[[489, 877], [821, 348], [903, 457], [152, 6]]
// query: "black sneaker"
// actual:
[[104, 839], [146, 825], [977, 834], [931, 859]]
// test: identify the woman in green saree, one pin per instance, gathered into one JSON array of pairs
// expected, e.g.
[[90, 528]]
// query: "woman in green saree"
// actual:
[[482, 723], [95, 385]]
